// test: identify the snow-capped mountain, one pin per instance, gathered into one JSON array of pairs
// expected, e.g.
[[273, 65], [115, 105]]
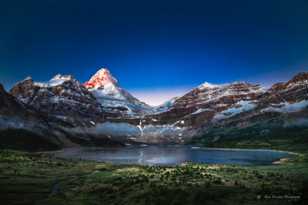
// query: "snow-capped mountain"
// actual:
[[282, 108], [114, 98], [62, 97], [101, 111], [236, 105], [23, 127], [200, 105]]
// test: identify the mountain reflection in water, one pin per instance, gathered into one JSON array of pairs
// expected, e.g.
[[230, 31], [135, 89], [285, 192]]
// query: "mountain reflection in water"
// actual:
[[172, 155]]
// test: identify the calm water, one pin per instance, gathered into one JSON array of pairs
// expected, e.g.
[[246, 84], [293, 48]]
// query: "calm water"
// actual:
[[173, 155]]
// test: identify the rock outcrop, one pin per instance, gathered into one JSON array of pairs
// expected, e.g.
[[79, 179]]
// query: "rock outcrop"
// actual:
[[67, 112]]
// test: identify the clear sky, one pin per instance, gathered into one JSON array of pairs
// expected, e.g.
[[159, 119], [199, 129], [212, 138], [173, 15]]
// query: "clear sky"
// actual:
[[156, 49]]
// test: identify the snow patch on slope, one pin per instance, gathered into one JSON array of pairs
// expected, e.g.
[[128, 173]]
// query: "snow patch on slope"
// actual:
[[55, 81], [207, 85], [241, 106], [287, 107], [115, 99], [200, 110], [125, 131], [109, 90], [165, 106]]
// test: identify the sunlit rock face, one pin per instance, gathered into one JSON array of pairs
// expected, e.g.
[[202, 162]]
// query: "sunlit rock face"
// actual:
[[100, 79], [102, 111], [112, 97]]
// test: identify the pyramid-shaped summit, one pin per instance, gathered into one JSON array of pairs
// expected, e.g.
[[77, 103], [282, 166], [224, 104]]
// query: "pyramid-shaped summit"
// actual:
[[107, 91], [100, 79]]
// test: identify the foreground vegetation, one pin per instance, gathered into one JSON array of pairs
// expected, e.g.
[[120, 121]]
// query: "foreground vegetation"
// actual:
[[27, 178], [288, 139], [32, 178]]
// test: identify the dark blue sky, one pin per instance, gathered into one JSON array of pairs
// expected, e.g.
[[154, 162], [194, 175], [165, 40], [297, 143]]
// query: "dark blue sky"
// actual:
[[154, 45]]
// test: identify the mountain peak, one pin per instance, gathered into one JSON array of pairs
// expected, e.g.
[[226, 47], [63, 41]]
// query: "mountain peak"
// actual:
[[55, 81], [302, 76], [207, 85], [61, 77], [100, 79]]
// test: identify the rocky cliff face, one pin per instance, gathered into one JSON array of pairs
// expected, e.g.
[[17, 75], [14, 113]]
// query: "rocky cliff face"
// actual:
[[22, 127], [8, 104], [210, 102], [292, 91], [239, 105], [284, 105], [100, 110], [43, 116], [62, 97]]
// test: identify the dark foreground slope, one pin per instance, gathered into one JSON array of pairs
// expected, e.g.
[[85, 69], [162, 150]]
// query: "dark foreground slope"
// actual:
[[36, 179], [22, 127], [26, 127]]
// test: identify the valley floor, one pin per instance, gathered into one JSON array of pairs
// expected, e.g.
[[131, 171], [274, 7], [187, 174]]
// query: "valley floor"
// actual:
[[28, 178]]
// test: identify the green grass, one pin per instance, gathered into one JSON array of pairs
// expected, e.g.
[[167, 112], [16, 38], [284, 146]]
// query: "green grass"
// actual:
[[27, 178], [257, 136]]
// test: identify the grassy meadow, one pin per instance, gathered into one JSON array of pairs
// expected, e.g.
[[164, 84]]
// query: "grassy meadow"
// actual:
[[32, 178]]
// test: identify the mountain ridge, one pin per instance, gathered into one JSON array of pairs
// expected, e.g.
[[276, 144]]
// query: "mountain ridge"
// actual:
[[84, 112]]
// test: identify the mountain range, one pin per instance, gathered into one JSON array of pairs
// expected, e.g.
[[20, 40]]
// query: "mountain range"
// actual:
[[64, 112]]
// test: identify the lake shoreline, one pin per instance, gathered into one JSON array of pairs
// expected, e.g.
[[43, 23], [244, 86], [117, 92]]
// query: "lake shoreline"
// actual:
[[89, 182], [173, 155]]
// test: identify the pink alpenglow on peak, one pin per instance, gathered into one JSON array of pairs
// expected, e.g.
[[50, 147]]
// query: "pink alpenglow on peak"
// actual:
[[101, 78], [112, 97]]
